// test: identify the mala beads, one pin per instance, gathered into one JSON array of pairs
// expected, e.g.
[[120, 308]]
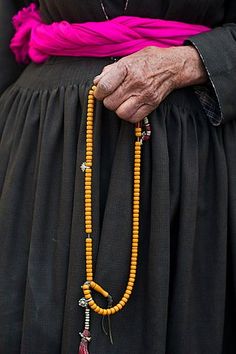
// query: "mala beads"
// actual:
[[90, 285]]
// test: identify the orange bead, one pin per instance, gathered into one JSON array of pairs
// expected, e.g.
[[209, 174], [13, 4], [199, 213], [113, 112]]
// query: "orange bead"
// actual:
[[85, 287], [88, 183], [134, 263], [137, 178], [86, 292], [135, 228], [119, 306], [132, 278], [100, 311], [126, 296], [134, 247], [108, 312]]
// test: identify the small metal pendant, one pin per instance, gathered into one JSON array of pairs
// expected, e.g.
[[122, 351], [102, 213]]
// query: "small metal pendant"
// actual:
[[83, 167]]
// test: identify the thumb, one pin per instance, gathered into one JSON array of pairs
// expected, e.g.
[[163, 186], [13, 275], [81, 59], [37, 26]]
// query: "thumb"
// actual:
[[109, 80]]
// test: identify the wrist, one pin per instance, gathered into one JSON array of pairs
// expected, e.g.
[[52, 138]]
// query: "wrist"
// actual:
[[192, 71]]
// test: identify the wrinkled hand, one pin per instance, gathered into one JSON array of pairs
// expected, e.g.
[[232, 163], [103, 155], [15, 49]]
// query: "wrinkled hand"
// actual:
[[135, 85]]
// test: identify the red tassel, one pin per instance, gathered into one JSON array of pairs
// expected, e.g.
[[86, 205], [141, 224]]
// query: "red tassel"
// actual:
[[86, 337]]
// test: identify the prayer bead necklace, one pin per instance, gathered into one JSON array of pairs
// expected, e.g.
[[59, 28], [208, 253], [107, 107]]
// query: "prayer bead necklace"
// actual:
[[90, 285]]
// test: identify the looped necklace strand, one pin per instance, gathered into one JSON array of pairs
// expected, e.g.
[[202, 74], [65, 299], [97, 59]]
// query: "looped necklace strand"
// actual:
[[90, 285], [104, 9]]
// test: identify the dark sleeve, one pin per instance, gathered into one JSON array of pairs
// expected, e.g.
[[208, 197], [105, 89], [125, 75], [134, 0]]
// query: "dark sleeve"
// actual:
[[217, 49], [9, 69]]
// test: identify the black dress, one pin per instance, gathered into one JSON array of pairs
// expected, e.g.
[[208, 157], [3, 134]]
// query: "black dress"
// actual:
[[184, 297]]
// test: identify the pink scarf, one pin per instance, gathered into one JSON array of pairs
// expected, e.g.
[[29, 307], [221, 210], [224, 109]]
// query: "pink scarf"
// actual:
[[118, 37]]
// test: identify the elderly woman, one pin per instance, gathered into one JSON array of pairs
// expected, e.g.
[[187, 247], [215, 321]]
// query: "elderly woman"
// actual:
[[183, 298]]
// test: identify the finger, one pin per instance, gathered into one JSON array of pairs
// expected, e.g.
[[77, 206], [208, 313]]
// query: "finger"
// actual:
[[110, 81], [128, 108], [119, 96], [104, 71], [134, 115], [141, 113]]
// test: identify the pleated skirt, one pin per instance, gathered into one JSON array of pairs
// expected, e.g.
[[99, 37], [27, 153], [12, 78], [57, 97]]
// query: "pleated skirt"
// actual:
[[184, 296]]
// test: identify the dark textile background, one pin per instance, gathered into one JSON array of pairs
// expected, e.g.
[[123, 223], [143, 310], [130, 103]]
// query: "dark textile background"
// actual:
[[184, 297]]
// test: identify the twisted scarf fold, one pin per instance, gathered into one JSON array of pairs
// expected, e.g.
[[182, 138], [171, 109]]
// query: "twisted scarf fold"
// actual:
[[34, 40]]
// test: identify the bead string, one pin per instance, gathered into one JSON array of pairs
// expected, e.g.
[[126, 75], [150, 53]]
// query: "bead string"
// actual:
[[104, 10], [86, 167]]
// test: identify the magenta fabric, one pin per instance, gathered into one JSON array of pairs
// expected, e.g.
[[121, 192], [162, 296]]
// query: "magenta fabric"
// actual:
[[37, 41]]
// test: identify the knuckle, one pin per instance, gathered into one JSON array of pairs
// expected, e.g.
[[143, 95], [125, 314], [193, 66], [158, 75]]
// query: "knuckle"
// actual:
[[107, 68], [150, 96], [122, 114], [121, 66], [109, 104], [104, 86]]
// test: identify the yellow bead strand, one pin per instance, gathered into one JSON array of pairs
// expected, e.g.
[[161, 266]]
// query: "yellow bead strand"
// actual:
[[90, 285]]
